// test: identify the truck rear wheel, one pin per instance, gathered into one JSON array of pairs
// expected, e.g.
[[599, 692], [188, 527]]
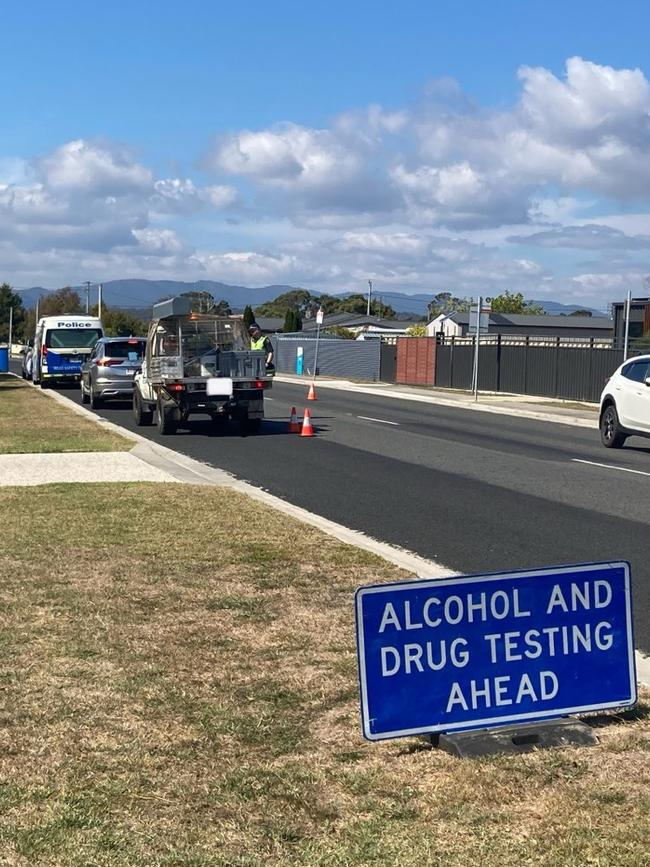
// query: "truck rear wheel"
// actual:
[[142, 415], [167, 418], [248, 425]]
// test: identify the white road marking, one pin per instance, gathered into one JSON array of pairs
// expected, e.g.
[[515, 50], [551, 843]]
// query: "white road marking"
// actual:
[[268, 398], [610, 467], [380, 420]]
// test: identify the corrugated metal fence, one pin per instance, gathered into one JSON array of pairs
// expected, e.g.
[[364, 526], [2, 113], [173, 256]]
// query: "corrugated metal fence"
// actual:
[[576, 372], [350, 359]]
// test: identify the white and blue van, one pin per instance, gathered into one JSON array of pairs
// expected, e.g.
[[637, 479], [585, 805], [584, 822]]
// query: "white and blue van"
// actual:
[[61, 345]]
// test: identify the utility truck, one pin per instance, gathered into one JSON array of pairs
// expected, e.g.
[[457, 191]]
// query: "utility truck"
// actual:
[[197, 363]]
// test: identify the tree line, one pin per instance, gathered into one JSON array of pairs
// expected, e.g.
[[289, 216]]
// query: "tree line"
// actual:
[[293, 307]]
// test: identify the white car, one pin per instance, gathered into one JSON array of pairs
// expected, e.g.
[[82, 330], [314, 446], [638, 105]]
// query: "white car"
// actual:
[[625, 403], [26, 363]]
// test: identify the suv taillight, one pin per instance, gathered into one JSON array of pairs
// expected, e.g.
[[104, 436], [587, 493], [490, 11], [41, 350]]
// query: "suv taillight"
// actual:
[[108, 362]]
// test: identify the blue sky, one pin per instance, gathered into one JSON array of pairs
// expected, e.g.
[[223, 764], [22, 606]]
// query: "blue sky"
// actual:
[[298, 137]]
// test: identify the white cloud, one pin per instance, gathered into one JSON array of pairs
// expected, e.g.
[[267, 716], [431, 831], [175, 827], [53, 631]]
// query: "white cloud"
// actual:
[[95, 197], [590, 236], [159, 242], [286, 155], [180, 195], [438, 194], [98, 168]]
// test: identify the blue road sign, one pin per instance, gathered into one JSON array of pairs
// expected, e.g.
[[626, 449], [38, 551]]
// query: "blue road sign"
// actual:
[[484, 650]]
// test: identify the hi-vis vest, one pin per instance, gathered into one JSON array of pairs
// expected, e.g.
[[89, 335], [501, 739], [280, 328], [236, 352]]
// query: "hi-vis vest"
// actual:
[[259, 343]]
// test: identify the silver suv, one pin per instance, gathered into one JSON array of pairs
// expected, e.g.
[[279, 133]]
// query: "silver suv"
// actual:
[[108, 373]]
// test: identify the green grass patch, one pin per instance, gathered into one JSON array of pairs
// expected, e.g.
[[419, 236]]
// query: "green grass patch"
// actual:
[[32, 422], [168, 700]]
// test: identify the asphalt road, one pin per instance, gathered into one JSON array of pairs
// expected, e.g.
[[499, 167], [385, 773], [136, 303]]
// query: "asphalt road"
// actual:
[[474, 491]]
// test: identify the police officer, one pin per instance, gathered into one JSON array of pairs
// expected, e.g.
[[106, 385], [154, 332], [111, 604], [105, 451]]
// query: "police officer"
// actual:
[[260, 342]]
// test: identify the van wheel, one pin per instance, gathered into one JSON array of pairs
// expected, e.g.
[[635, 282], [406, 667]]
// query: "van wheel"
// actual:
[[611, 435], [141, 415], [44, 383], [167, 420]]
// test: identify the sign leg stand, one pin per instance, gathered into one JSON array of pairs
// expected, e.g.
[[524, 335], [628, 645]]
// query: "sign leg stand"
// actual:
[[508, 740]]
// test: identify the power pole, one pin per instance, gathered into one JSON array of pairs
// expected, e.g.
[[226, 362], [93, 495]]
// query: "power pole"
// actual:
[[99, 301], [11, 326], [369, 295], [87, 297]]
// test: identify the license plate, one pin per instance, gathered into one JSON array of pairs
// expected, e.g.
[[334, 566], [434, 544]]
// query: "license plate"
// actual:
[[129, 370]]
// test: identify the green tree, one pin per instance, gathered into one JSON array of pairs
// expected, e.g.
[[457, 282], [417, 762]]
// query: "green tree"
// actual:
[[11, 300], [581, 313], [292, 322], [339, 331], [417, 330], [65, 300], [300, 300], [288, 322], [445, 302], [120, 323], [358, 303], [29, 325], [249, 316], [515, 303]]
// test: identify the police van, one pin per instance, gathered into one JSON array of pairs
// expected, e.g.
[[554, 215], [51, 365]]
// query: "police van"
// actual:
[[61, 345]]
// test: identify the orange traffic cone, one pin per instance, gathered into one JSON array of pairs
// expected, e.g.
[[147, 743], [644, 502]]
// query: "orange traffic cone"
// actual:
[[294, 424], [307, 429], [312, 393]]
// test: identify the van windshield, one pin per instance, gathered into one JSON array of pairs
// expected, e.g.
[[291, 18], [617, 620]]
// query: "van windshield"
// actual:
[[72, 338]]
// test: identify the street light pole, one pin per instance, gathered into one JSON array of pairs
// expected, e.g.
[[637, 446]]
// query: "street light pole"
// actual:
[[11, 326], [369, 295]]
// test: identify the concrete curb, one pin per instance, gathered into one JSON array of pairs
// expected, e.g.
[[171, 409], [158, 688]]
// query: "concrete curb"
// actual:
[[437, 400], [191, 471]]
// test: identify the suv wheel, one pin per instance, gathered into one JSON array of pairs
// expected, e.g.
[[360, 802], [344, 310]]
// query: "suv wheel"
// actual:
[[611, 435], [84, 394], [95, 401]]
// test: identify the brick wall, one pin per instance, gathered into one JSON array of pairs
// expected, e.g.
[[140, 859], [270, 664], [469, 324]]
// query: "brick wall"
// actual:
[[416, 360]]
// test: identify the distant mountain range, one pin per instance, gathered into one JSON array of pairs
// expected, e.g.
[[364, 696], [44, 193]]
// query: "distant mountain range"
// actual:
[[139, 295]]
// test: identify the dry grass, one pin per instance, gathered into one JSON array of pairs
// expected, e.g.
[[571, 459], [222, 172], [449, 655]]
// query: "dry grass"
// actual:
[[32, 422], [179, 688]]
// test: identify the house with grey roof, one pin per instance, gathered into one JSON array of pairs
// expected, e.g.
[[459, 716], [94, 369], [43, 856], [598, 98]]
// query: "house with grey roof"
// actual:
[[515, 325]]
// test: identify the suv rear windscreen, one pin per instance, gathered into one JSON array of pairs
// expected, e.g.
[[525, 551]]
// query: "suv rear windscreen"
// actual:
[[72, 338], [131, 349]]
